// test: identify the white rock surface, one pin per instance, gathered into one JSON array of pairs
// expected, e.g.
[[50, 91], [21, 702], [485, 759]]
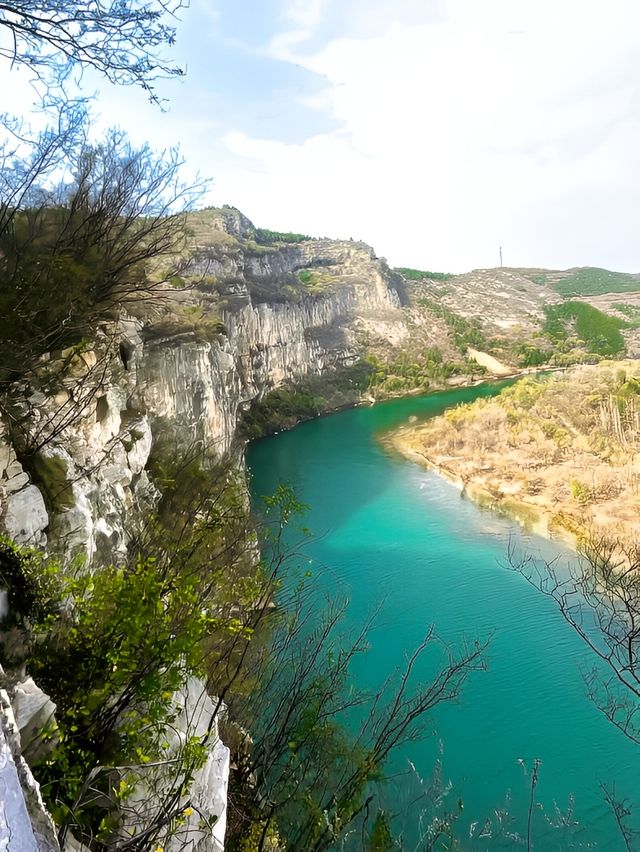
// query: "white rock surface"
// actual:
[[25, 516], [25, 825], [92, 472]]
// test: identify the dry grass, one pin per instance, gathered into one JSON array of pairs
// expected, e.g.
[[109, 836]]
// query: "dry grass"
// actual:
[[569, 446]]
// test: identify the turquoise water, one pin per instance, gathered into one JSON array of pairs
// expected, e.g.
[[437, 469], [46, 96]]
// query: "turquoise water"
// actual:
[[388, 530]]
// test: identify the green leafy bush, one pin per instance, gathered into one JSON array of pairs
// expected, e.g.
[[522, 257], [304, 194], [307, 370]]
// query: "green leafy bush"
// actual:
[[419, 274], [31, 581], [264, 236]]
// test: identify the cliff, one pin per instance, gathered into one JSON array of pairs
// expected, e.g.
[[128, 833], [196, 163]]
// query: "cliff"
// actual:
[[77, 439], [84, 450]]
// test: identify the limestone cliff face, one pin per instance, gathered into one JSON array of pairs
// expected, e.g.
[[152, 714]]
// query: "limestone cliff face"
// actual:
[[92, 441], [75, 450]]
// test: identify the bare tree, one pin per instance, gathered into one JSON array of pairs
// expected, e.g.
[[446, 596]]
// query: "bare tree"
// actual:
[[599, 597], [73, 252], [58, 40], [320, 747]]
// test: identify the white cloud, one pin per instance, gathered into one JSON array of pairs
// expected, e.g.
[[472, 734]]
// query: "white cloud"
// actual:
[[304, 16], [460, 126], [493, 125]]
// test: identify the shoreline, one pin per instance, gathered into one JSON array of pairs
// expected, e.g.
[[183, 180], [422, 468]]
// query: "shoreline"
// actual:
[[533, 517]]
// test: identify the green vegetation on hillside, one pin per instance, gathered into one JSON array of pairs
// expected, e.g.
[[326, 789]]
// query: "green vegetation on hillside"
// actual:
[[465, 332], [419, 274], [264, 236], [632, 312], [316, 280], [408, 373], [591, 281], [599, 332]]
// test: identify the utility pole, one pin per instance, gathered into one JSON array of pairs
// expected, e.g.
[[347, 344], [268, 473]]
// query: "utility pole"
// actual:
[[500, 257]]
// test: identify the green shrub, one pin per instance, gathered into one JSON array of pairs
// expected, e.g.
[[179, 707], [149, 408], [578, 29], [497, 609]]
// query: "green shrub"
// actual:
[[264, 236], [580, 492], [31, 581], [280, 409], [112, 659], [465, 332], [419, 274], [531, 356]]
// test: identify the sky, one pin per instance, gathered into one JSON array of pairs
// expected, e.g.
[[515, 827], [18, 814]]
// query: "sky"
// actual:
[[434, 130]]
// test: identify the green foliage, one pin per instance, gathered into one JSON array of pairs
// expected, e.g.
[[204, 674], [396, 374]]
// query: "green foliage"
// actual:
[[30, 579], [599, 332], [264, 236], [420, 274], [418, 371], [628, 388], [632, 312], [113, 648], [286, 406], [465, 332], [112, 665], [540, 279], [580, 492], [279, 408], [591, 281], [315, 280], [524, 393], [531, 356]]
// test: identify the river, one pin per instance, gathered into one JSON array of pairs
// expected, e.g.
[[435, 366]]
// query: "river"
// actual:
[[386, 530]]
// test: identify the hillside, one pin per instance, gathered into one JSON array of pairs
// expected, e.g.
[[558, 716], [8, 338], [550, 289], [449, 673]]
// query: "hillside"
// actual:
[[512, 314], [558, 452], [443, 330]]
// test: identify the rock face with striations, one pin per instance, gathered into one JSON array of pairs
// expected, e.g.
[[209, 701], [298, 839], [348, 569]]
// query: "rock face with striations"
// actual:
[[73, 469], [148, 373]]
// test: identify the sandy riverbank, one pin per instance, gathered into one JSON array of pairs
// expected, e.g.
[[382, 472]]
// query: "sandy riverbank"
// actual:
[[559, 456]]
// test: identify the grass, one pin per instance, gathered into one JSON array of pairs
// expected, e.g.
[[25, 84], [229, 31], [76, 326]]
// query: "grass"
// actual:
[[599, 331], [591, 281]]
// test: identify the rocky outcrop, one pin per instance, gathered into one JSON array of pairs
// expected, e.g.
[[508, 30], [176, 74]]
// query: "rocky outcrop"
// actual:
[[25, 825], [87, 447], [74, 453]]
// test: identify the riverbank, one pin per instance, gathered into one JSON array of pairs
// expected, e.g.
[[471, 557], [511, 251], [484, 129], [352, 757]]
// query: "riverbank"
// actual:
[[558, 454], [420, 556]]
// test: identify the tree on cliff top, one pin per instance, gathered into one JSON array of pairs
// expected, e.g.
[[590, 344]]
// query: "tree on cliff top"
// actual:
[[73, 251], [57, 40]]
